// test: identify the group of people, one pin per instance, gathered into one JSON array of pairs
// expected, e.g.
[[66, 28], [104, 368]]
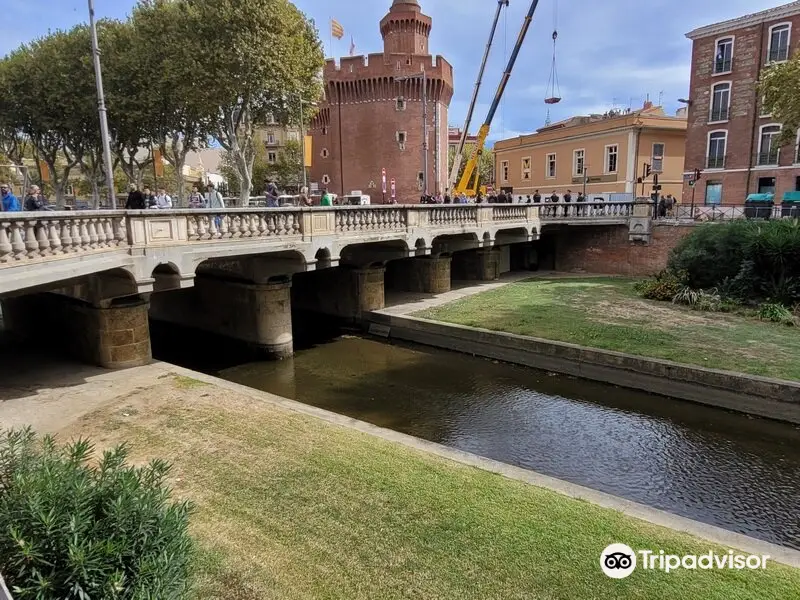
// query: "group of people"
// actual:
[[34, 199], [666, 206], [145, 199]]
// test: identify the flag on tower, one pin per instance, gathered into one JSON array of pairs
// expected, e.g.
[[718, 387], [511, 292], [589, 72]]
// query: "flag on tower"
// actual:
[[352, 46], [337, 30]]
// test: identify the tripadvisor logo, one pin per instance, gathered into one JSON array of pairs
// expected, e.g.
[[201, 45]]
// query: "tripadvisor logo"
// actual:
[[618, 561]]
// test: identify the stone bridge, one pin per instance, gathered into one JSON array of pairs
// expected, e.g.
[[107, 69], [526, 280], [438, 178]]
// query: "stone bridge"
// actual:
[[104, 265]]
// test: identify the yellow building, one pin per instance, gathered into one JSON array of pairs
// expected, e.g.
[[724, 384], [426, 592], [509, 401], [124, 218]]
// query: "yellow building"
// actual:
[[607, 151]]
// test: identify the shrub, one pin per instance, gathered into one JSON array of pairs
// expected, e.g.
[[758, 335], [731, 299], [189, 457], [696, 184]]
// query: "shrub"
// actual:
[[777, 313], [698, 299], [73, 530], [662, 287]]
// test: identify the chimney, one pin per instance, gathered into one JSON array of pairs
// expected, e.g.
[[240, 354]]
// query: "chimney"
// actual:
[[647, 105]]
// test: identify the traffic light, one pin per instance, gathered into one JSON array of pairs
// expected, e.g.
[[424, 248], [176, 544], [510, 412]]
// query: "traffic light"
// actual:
[[697, 175], [647, 170]]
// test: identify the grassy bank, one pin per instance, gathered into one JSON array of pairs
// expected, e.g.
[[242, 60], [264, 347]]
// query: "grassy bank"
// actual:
[[606, 313], [290, 507]]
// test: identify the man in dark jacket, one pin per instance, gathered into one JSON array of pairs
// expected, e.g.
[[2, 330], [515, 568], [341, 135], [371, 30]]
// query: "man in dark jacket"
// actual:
[[567, 199], [537, 197], [135, 199]]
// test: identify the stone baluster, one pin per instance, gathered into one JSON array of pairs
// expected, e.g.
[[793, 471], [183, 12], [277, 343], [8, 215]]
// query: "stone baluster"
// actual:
[[262, 225], [84, 235], [100, 230], [5, 243], [191, 227], [213, 231], [252, 225], [42, 239], [108, 226], [17, 245], [224, 227], [31, 243], [55, 237], [91, 231], [270, 224]]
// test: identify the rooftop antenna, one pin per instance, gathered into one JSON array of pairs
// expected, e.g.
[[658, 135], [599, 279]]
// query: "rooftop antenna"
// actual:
[[547, 121], [660, 97]]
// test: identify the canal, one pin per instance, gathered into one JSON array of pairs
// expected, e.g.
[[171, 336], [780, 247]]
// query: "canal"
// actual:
[[721, 468]]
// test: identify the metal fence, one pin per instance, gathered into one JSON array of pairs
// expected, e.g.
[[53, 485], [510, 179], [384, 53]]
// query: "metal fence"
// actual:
[[725, 212]]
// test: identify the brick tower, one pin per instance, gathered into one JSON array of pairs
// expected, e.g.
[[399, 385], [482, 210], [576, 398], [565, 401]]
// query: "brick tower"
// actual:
[[369, 121]]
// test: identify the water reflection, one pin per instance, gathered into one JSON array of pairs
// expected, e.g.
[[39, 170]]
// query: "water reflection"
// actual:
[[721, 468]]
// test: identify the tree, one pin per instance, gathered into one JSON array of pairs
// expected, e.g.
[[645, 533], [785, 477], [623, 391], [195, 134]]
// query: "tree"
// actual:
[[287, 170], [778, 87], [485, 163], [50, 99], [250, 60]]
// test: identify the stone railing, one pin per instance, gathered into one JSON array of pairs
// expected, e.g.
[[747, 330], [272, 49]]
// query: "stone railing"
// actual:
[[247, 223], [509, 213], [580, 211], [31, 236], [446, 216], [362, 219]]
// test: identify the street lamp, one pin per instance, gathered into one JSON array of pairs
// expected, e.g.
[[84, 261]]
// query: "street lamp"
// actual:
[[424, 78], [101, 107]]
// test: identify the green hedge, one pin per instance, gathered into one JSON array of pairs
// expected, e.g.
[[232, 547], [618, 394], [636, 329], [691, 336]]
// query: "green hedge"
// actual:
[[74, 528], [750, 261]]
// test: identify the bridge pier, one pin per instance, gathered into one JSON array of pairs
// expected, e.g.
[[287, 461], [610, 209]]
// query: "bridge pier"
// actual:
[[430, 275], [476, 265], [344, 292], [258, 314], [114, 336]]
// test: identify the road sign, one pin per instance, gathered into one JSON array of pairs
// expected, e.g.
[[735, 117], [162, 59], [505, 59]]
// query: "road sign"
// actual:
[[394, 190], [383, 180]]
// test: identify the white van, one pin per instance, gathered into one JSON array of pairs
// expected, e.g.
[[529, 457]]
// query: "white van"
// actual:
[[356, 198]]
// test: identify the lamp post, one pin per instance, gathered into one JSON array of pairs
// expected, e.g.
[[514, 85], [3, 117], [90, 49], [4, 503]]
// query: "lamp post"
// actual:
[[303, 145], [101, 107]]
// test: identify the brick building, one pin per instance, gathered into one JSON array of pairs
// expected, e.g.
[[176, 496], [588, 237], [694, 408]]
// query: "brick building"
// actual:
[[369, 121], [729, 137]]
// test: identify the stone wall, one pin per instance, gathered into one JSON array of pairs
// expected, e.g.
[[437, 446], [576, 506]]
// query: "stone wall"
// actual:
[[114, 338], [607, 250], [342, 292]]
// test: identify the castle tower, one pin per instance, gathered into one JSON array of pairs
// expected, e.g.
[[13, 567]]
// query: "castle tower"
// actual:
[[372, 114], [405, 29]]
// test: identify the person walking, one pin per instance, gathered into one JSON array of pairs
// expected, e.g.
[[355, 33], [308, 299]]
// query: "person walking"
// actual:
[[303, 199], [567, 200], [272, 194], [8, 199], [149, 198], [35, 200], [669, 204], [326, 199], [196, 199], [135, 199], [163, 200], [537, 197], [214, 198]]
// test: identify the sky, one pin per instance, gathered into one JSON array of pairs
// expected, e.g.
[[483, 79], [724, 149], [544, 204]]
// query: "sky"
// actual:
[[610, 53]]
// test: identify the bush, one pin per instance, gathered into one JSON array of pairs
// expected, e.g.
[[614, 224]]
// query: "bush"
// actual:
[[663, 286], [777, 313], [747, 261], [73, 530], [698, 299]]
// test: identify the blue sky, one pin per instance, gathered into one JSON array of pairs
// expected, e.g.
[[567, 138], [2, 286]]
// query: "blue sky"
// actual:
[[610, 52]]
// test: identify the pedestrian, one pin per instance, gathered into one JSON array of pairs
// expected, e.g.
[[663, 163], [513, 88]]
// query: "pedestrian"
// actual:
[[326, 199], [669, 204], [214, 198], [272, 194], [479, 198], [196, 199], [567, 200], [163, 200], [35, 200], [528, 199], [303, 198], [9, 200], [554, 197], [581, 201], [149, 198], [447, 199], [537, 197], [135, 199], [662, 208]]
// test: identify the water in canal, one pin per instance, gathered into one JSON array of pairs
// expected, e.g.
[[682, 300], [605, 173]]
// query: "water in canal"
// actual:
[[721, 468]]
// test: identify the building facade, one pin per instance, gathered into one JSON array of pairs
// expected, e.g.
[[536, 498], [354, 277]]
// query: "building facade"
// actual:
[[731, 138], [454, 138], [371, 118], [607, 151], [274, 138]]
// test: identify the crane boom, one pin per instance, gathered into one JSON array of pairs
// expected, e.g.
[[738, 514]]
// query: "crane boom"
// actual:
[[470, 170], [459, 156]]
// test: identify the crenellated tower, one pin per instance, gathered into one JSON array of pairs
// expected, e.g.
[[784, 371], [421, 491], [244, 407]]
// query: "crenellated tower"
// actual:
[[372, 114]]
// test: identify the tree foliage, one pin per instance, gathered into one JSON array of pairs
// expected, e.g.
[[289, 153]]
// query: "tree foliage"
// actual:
[[73, 529], [288, 169], [778, 87], [485, 163]]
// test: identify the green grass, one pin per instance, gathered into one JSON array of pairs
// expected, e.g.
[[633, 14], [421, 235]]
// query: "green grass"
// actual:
[[606, 313], [290, 507]]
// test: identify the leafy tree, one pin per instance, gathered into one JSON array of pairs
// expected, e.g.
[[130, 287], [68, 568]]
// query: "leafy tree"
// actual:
[[485, 163], [287, 171], [778, 86], [250, 60], [50, 99]]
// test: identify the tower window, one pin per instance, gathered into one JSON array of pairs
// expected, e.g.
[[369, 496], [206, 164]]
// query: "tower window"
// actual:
[[324, 131], [325, 179], [401, 139], [324, 153], [408, 60], [400, 104]]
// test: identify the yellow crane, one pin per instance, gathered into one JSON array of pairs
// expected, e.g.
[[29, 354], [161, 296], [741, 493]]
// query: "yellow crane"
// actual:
[[469, 182]]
